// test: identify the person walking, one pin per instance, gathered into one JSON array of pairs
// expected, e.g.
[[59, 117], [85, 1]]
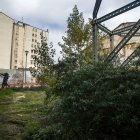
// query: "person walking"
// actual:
[[5, 80]]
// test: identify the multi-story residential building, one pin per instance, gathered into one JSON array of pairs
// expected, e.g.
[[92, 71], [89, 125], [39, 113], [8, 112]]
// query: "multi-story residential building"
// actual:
[[131, 45], [15, 39], [6, 33]]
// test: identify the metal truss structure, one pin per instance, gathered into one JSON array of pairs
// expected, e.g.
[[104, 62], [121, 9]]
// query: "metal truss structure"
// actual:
[[126, 32], [131, 57]]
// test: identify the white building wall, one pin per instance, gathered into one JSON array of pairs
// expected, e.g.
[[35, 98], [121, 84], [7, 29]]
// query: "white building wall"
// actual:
[[6, 29], [33, 40], [28, 44]]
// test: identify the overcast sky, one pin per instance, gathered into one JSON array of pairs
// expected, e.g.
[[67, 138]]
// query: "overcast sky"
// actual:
[[52, 14]]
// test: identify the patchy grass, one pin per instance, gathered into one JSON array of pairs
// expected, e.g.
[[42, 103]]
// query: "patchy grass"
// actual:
[[5, 92], [18, 110]]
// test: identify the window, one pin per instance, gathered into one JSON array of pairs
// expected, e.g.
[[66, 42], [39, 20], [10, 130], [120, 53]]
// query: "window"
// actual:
[[15, 67], [32, 34], [16, 61], [35, 35], [32, 45], [16, 55], [32, 62], [32, 40], [32, 56]]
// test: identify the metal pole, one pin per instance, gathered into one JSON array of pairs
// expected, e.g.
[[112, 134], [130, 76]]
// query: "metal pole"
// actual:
[[26, 52], [95, 55]]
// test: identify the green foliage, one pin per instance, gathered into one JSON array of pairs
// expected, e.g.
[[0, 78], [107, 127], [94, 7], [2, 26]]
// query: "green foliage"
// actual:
[[78, 38], [30, 130], [5, 92], [86, 102], [65, 65], [43, 61], [96, 104], [51, 133], [77, 48], [135, 62]]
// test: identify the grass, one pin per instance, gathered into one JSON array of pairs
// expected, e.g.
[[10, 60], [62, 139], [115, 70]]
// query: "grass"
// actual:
[[18, 109], [5, 92]]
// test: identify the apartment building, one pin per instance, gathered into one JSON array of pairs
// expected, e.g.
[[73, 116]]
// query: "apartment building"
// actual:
[[16, 38], [131, 45], [6, 33]]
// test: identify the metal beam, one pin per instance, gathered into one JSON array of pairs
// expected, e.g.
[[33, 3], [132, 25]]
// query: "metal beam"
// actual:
[[94, 29], [124, 34], [132, 56], [123, 42], [119, 11], [103, 28], [96, 8], [95, 52]]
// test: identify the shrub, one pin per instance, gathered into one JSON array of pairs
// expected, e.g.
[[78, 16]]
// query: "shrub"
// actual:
[[97, 103], [30, 131], [94, 103]]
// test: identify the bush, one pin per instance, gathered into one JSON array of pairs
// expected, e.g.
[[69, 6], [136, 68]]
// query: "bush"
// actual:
[[30, 131], [95, 103], [98, 103]]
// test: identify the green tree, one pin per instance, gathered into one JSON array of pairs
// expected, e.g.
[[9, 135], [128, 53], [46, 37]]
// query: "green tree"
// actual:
[[78, 38], [44, 62], [88, 51]]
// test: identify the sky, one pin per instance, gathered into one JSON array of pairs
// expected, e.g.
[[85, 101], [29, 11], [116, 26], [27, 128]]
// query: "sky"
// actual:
[[53, 14]]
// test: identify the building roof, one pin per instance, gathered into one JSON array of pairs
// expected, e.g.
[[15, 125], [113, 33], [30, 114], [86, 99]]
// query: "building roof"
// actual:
[[22, 22], [6, 15], [125, 24]]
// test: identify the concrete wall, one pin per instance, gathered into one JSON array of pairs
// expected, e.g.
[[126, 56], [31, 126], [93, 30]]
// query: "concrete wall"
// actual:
[[16, 76], [6, 28]]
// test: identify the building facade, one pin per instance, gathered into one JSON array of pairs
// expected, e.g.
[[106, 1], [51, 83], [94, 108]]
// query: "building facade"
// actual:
[[16, 38], [6, 34], [127, 50]]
